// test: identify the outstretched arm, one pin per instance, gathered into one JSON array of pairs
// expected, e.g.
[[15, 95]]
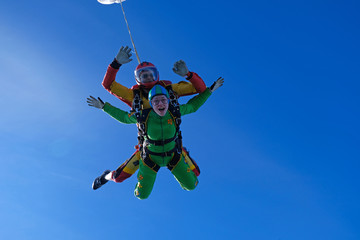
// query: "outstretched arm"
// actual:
[[123, 93], [196, 102], [118, 114]]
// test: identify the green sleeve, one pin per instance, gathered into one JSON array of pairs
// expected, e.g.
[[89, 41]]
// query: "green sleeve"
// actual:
[[118, 114], [195, 103]]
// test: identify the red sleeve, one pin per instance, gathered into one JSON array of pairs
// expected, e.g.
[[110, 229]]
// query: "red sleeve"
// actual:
[[109, 77], [196, 81], [116, 89]]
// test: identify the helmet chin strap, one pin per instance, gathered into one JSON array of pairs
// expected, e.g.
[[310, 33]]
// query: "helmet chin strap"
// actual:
[[132, 41]]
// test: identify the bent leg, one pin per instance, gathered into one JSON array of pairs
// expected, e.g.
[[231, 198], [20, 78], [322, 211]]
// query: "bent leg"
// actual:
[[127, 169], [146, 180], [184, 175]]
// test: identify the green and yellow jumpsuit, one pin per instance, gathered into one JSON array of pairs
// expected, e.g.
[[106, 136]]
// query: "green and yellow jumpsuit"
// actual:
[[159, 129]]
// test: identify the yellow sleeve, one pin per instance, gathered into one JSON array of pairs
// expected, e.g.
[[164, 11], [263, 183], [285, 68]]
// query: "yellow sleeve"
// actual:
[[183, 88], [126, 94]]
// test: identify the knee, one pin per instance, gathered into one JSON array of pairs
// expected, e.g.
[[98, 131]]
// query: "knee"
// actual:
[[140, 193], [118, 178], [141, 197], [190, 187]]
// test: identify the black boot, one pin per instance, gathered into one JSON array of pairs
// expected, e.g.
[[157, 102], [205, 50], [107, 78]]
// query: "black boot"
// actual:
[[99, 181]]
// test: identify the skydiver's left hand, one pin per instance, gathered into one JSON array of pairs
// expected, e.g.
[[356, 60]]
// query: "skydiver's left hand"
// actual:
[[218, 83], [180, 68], [97, 103]]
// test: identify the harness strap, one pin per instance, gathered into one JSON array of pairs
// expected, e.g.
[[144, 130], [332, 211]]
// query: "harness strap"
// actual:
[[173, 97], [137, 101], [150, 163], [174, 161], [161, 142], [141, 120], [162, 154]]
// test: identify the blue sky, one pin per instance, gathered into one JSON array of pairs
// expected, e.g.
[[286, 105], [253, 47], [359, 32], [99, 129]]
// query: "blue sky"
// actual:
[[278, 144]]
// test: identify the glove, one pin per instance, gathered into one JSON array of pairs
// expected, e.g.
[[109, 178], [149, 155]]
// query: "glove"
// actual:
[[218, 83], [124, 55], [97, 103], [180, 68]]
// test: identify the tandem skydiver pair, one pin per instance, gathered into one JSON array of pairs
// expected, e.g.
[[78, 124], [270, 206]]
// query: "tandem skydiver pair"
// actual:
[[157, 113]]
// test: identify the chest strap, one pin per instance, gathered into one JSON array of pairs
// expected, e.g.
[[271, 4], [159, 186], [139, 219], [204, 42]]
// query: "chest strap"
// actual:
[[160, 142], [162, 154]]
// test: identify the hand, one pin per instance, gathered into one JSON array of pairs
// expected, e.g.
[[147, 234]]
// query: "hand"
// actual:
[[124, 55], [97, 103], [180, 68], [218, 83]]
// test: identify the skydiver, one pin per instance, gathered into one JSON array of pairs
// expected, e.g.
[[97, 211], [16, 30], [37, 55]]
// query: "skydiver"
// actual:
[[161, 146], [146, 76]]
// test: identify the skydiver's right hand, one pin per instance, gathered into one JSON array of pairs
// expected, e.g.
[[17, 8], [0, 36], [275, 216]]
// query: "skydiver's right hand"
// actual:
[[180, 68], [124, 55], [97, 103], [218, 83]]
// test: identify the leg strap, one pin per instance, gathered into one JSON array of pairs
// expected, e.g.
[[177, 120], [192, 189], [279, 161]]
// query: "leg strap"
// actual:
[[174, 161], [150, 163]]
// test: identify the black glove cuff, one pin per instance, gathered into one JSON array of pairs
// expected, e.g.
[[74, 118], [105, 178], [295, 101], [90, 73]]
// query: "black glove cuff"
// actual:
[[190, 76], [115, 64], [101, 100], [212, 86]]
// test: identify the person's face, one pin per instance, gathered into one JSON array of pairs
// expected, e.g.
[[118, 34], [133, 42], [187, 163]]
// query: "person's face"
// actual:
[[146, 76], [160, 104]]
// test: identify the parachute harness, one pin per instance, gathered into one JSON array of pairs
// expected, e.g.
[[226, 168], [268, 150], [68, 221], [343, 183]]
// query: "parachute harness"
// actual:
[[143, 138]]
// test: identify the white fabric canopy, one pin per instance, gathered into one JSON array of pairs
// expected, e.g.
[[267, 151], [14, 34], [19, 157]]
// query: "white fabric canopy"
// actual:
[[110, 1]]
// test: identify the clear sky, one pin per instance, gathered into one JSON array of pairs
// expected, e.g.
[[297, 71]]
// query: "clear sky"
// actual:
[[277, 145]]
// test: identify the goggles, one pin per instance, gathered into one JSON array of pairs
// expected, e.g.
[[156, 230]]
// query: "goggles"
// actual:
[[144, 74], [158, 101]]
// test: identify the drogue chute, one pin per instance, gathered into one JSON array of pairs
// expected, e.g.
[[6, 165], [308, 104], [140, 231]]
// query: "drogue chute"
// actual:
[[107, 2]]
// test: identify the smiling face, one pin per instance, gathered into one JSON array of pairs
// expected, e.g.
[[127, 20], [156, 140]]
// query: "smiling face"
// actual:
[[160, 104]]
